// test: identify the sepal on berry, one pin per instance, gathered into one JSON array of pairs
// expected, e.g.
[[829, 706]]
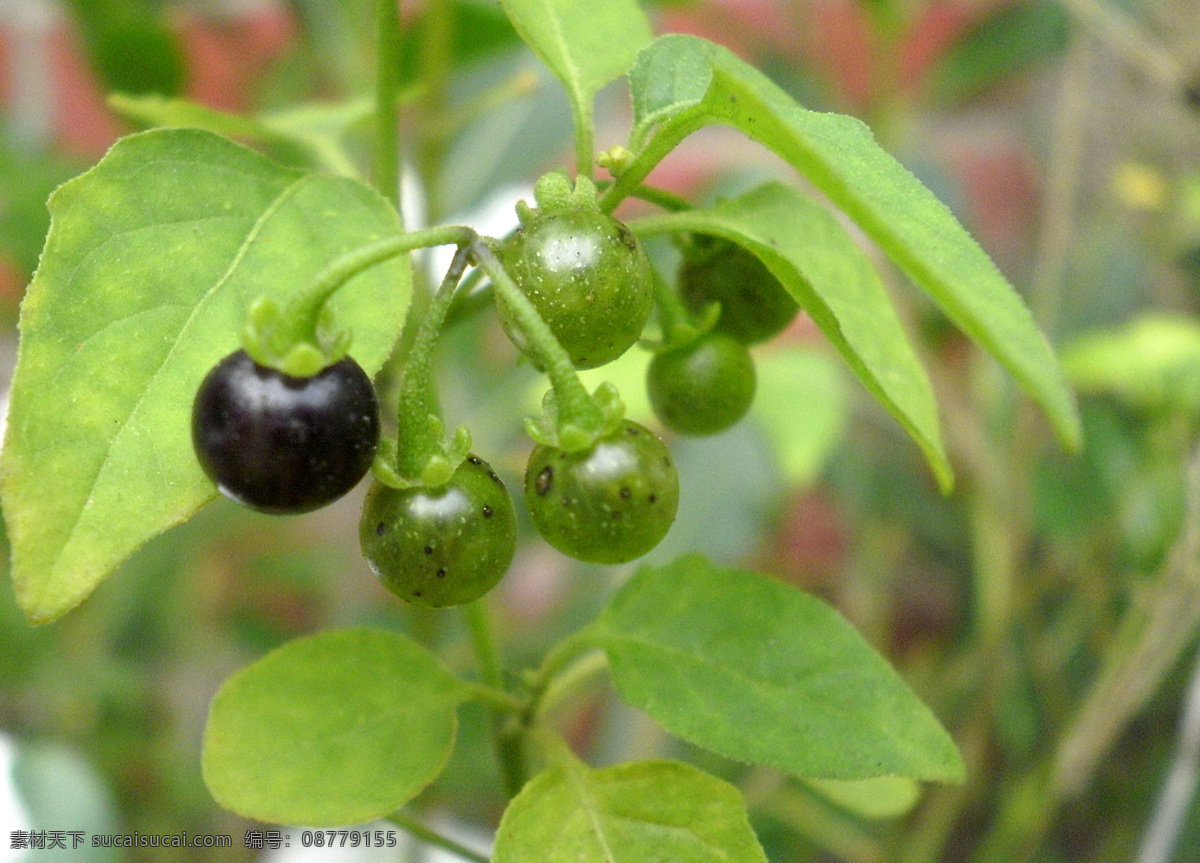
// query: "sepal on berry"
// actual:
[[271, 337], [568, 433], [555, 191], [437, 467]]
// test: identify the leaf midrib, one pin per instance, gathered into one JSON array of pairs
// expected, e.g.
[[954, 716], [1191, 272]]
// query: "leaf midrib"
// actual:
[[759, 683], [285, 193]]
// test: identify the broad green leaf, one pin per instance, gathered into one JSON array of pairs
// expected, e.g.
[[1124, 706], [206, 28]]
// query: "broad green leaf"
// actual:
[[334, 729], [312, 133], [753, 669], [875, 799], [151, 261], [627, 813], [1152, 362], [801, 440], [174, 113], [803, 246], [586, 45], [682, 83]]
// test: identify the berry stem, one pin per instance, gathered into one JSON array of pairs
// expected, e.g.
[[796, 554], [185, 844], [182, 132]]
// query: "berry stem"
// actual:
[[417, 439], [431, 837], [674, 318], [504, 738], [575, 406], [561, 656], [299, 323]]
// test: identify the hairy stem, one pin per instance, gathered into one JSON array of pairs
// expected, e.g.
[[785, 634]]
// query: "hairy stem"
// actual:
[[505, 737], [415, 438], [574, 404]]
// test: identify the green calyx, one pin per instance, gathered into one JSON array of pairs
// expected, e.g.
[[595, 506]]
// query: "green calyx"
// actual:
[[558, 429], [680, 327], [298, 342], [435, 465], [555, 191]]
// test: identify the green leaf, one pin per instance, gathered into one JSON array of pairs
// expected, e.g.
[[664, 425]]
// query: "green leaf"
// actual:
[[173, 113], [151, 261], [875, 799], [586, 45], [753, 669], [682, 83], [802, 441], [334, 729], [1152, 362], [803, 246], [1006, 42], [311, 133], [131, 46], [649, 810]]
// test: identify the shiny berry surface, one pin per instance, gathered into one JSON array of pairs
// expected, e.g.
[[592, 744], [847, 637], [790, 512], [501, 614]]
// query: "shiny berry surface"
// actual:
[[755, 307], [587, 276], [281, 444], [444, 546], [611, 503], [704, 387]]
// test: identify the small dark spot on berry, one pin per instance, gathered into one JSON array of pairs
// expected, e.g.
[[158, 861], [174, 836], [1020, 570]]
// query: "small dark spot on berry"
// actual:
[[625, 493], [429, 549], [616, 516], [441, 573], [666, 461], [566, 501], [492, 475], [544, 479], [380, 529], [631, 431], [474, 459], [627, 238], [487, 511], [418, 593], [653, 498]]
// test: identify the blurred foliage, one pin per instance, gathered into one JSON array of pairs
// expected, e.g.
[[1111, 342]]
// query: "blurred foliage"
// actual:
[[131, 47]]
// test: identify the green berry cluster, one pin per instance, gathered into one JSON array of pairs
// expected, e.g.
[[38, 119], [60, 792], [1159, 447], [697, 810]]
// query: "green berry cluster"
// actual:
[[574, 289]]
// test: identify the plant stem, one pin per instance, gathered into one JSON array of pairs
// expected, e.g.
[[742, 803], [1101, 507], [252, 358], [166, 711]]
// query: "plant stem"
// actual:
[[432, 837], [648, 154], [673, 316], [656, 196], [415, 435], [584, 143], [436, 51], [387, 88], [505, 738], [575, 406], [299, 320], [559, 658], [569, 679]]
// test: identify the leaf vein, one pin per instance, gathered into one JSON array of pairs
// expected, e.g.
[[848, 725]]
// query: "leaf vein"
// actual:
[[284, 195]]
